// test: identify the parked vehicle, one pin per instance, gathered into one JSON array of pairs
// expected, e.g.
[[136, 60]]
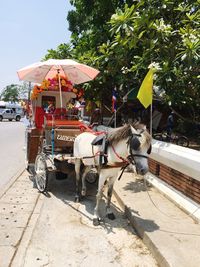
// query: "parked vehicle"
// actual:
[[179, 140], [9, 114], [14, 106]]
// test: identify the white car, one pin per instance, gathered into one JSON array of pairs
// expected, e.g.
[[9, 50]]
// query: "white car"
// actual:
[[9, 114]]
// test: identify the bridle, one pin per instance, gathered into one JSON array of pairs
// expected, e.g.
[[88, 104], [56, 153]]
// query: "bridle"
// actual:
[[134, 139], [131, 157]]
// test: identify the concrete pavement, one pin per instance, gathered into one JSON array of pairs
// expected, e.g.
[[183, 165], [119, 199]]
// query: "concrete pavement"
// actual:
[[19, 203], [172, 236]]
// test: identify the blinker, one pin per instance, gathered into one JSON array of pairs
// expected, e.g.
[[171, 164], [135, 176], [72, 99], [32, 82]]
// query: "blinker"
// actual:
[[149, 150], [135, 143]]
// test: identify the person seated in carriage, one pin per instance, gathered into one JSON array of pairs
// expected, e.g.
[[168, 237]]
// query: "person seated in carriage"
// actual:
[[51, 108]]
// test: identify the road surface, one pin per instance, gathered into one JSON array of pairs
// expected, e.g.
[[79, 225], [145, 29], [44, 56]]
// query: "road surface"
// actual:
[[12, 141]]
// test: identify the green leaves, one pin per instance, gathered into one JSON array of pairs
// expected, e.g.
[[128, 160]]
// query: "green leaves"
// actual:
[[121, 39], [11, 93]]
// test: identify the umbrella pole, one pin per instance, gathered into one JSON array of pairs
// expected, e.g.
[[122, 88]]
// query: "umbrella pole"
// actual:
[[61, 103]]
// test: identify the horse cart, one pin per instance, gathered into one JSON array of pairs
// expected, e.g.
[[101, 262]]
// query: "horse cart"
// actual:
[[53, 120], [50, 137], [58, 141]]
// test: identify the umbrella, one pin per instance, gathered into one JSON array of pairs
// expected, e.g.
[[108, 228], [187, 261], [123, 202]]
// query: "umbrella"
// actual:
[[76, 72]]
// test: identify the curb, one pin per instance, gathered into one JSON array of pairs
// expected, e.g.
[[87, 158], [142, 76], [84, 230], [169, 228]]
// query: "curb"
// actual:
[[18, 251], [11, 181], [19, 257], [161, 260]]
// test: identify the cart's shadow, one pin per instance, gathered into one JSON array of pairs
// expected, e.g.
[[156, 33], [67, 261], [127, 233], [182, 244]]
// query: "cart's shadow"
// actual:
[[65, 191]]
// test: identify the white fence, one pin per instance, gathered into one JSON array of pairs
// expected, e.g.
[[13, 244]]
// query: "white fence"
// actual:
[[184, 160]]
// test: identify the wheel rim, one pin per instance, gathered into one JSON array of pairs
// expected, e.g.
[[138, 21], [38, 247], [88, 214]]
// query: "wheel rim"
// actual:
[[41, 173], [91, 177], [183, 142]]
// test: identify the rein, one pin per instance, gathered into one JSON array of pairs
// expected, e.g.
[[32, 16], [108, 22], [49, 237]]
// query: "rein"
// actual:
[[118, 156]]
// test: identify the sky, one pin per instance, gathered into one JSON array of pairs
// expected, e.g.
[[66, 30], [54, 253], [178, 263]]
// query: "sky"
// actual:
[[28, 29]]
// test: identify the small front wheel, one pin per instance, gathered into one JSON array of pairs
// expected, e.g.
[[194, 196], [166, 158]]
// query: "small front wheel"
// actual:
[[182, 141], [41, 173], [92, 176]]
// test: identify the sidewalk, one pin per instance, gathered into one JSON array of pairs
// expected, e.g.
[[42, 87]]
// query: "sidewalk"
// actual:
[[172, 236], [17, 207]]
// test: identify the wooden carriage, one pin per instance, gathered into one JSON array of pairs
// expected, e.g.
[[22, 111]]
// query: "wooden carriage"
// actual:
[[50, 135]]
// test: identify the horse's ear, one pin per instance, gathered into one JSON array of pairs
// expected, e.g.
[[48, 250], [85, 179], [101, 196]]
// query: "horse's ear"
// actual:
[[144, 127], [133, 130]]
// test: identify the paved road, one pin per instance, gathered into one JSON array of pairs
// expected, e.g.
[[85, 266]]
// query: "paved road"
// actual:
[[11, 150]]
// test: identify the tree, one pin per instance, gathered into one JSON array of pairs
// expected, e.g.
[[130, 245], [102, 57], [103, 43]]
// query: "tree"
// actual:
[[62, 51], [15, 92], [168, 33], [121, 38]]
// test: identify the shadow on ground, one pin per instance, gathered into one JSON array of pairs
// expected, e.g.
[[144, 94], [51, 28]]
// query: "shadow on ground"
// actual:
[[64, 190]]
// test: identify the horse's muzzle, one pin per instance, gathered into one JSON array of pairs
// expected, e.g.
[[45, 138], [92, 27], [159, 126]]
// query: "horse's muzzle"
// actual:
[[141, 169]]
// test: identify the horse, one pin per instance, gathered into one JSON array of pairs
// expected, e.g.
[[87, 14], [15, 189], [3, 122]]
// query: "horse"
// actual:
[[128, 144]]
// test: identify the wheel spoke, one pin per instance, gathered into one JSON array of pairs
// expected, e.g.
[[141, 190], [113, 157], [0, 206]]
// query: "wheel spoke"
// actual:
[[41, 173]]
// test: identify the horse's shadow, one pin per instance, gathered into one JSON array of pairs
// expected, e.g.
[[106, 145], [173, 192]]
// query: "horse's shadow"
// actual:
[[65, 191], [139, 185]]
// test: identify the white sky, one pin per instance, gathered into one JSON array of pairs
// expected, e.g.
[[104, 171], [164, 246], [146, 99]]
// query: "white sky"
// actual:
[[28, 29]]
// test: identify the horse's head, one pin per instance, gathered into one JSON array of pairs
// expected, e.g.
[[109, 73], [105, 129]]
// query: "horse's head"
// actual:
[[139, 148]]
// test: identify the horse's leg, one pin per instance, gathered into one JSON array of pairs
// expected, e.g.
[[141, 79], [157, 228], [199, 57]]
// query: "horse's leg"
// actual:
[[111, 182], [102, 178], [77, 170], [86, 170]]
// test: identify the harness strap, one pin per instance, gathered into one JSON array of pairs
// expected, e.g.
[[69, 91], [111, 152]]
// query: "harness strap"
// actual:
[[138, 155], [124, 160], [123, 169]]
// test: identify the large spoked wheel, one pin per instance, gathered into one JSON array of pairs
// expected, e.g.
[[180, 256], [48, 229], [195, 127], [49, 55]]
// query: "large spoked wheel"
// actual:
[[41, 173], [182, 141]]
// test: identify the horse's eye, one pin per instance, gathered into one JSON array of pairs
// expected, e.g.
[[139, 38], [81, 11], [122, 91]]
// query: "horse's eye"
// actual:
[[149, 150], [135, 143]]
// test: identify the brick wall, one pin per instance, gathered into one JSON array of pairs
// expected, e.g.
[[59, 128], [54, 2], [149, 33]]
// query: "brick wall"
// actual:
[[181, 182]]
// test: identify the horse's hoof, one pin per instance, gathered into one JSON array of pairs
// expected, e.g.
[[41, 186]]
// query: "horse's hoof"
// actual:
[[111, 216], [96, 221]]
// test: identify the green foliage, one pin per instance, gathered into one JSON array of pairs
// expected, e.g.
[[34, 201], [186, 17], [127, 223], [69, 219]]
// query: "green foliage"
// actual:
[[62, 51], [121, 38], [10, 93], [15, 92]]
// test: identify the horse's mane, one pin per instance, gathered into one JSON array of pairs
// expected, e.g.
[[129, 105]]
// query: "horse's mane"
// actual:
[[124, 132]]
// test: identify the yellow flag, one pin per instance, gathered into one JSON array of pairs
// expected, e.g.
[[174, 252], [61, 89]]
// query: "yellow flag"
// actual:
[[145, 93]]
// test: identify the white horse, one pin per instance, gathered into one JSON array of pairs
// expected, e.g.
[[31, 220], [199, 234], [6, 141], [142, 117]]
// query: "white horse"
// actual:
[[125, 145]]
